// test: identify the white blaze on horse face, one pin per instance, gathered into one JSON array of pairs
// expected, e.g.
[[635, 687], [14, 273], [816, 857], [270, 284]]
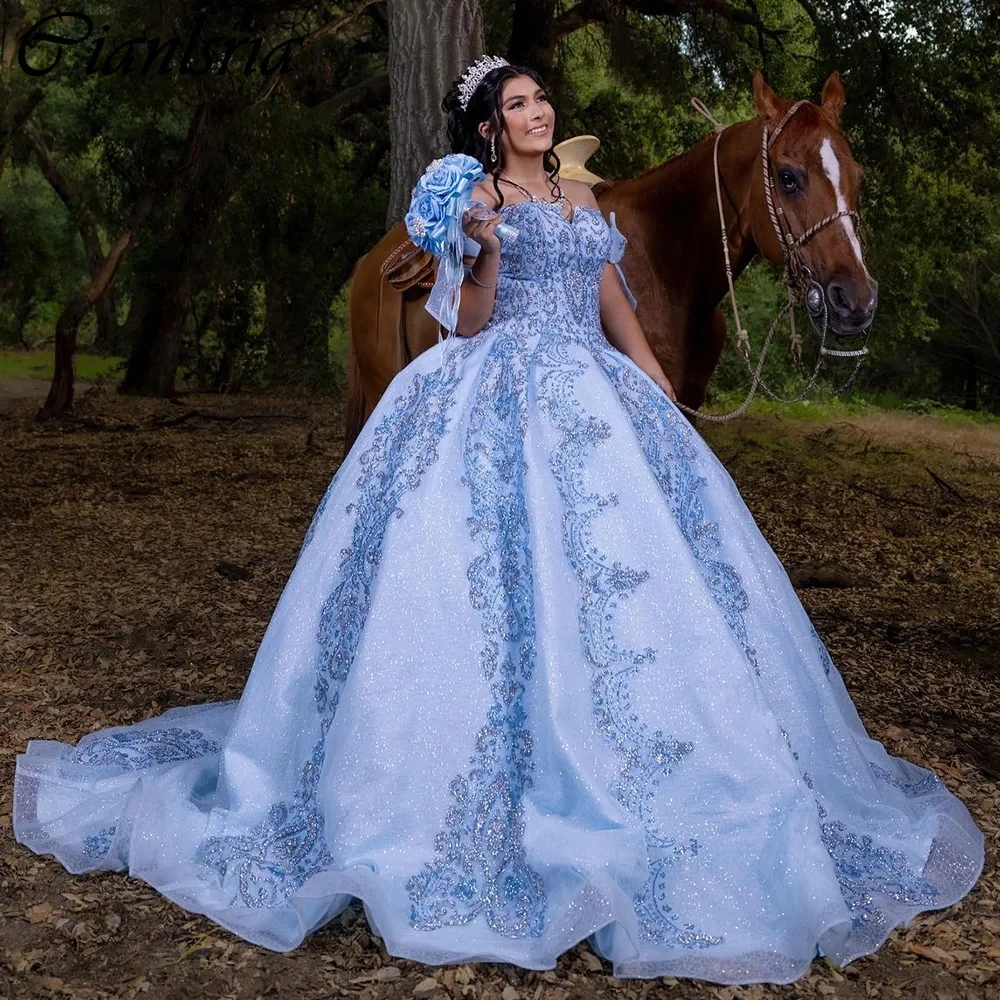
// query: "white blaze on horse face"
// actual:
[[831, 165]]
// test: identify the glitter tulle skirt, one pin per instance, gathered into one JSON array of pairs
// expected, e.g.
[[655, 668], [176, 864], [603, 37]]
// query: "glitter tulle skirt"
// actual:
[[536, 678]]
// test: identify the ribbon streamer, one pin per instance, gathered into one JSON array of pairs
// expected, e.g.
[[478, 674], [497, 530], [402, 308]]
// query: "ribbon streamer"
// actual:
[[615, 254]]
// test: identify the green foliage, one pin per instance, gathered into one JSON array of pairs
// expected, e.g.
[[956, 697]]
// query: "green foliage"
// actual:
[[40, 364], [309, 188], [923, 117]]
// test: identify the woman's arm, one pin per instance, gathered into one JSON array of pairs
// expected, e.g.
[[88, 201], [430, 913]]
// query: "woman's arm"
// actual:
[[476, 304], [618, 319]]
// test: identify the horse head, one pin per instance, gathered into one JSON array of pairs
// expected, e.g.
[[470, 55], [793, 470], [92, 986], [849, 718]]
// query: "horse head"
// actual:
[[809, 195]]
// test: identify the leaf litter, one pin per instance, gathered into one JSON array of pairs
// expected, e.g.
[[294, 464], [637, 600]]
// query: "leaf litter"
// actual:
[[144, 554]]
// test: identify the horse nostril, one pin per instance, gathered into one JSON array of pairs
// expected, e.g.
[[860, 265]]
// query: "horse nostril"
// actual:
[[839, 298]]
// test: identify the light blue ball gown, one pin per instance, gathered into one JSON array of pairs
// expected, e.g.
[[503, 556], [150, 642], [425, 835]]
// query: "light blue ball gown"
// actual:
[[536, 677]]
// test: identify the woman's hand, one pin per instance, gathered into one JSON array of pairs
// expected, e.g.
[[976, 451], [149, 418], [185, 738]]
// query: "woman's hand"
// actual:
[[482, 231], [657, 375]]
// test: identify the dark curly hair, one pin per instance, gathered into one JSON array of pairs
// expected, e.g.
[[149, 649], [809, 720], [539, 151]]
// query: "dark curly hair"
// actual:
[[485, 105]]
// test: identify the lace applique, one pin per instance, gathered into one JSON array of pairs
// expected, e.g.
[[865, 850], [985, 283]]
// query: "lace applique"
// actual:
[[552, 251], [665, 438], [824, 654], [311, 530], [866, 871], [98, 845], [479, 865], [132, 751], [919, 787], [288, 846], [646, 756]]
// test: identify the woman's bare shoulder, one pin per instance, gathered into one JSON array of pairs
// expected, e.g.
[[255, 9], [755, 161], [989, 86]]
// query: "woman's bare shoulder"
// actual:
[[578, 192], [486, 194]]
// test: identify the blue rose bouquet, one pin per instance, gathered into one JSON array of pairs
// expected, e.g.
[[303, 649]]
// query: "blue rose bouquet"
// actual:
[[440, 197], [434, 222]]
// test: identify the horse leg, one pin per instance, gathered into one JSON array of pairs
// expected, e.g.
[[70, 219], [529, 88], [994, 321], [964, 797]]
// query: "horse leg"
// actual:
[[354, 404]]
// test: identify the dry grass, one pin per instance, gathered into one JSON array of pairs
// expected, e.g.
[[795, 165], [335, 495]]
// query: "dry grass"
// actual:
[[113, 609]]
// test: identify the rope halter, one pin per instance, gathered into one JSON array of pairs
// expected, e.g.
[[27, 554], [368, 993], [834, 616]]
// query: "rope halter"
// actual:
[[802, 287]]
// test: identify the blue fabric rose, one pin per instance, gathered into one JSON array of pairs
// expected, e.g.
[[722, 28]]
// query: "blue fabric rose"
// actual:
[[441, 195], [427, 220], [451, 176], [434, 223]]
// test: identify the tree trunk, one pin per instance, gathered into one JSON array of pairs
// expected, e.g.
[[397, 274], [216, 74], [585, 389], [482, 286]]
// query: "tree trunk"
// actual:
[[60, 397], [22, 312], [431, 42], [110, 337], [160, 322], [232, 318], [532, 38], [152, 365], [971, 381]]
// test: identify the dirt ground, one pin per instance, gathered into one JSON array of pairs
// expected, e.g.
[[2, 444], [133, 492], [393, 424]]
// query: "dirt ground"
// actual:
[[145, 544], [17, 390]]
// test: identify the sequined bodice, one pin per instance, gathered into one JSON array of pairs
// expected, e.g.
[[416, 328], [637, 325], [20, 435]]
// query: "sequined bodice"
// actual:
[[554, 267]]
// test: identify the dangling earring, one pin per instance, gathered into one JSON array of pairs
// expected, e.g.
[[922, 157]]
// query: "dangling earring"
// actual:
[[493, 148]]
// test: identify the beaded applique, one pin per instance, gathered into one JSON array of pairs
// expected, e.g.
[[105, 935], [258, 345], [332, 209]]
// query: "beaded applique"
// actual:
[[665, 438], [824, 654], [866, 870], [919, 787], [646, 756], [288, 846], [479, 865], [132, 751], [98, 845]]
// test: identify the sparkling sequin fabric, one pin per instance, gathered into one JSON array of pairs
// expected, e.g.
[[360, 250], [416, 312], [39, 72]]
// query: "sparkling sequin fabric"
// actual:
[[536, 677]]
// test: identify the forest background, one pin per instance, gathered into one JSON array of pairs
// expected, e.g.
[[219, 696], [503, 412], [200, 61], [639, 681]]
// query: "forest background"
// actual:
[[200, 230]]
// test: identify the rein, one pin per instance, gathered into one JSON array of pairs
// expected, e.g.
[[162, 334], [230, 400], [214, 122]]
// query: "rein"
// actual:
[[798, 278]]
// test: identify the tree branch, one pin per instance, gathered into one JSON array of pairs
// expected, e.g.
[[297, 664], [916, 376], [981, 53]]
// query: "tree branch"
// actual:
[[812, 13], [374, 90], [602, 11]]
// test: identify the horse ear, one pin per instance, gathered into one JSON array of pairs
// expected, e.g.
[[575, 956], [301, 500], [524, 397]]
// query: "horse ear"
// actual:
[[765, 100], [832, 98]]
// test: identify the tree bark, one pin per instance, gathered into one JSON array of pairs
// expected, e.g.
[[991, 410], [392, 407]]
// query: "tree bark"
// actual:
[[60, 397], [232, 315], [161, 318], [971, 380], [533, 36], [431, 42], [110, 337]]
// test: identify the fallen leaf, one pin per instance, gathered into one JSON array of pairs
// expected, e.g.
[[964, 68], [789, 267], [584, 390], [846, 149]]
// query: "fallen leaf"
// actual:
[[40, 912]]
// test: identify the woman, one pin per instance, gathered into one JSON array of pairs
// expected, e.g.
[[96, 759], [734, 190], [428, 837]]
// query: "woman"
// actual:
[[536, 676]]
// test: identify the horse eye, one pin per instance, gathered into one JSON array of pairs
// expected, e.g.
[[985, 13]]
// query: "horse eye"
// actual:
[[788, 181]]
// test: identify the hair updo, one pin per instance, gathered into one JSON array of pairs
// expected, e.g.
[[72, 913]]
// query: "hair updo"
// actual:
[[486, 105]]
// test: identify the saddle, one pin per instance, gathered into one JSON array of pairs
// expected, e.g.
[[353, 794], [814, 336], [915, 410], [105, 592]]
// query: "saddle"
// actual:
[[405, 279], [407, 266]]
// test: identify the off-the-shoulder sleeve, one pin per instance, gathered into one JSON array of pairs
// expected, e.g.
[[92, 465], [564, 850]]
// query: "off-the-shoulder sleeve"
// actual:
[[615, 253]]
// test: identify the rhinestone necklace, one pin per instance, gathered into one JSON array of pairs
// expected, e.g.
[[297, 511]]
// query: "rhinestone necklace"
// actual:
[[559, 202]]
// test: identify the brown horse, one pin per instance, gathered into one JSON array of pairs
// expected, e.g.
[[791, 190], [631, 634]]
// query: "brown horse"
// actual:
[[674, 262]]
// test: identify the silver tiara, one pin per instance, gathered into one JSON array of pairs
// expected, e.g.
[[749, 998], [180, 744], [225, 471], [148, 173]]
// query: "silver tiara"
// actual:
[[473, 77]]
